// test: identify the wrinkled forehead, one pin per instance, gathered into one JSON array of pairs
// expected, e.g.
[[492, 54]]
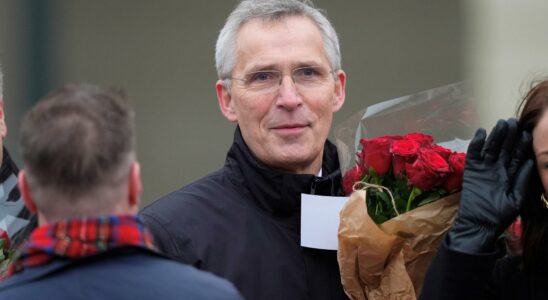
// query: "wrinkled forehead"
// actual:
[[291, 36], [269, 21]]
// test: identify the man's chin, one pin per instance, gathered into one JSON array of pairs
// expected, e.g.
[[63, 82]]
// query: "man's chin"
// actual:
[[300, 163]]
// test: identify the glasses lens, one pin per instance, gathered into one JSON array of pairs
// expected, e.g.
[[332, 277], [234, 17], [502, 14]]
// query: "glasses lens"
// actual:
[[262, 80], [310, 76], [269, 80]]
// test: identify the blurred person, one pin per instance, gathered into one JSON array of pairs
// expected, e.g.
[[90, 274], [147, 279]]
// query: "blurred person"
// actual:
[[15, 220], [465, 268], [280, 80], [82, 179]]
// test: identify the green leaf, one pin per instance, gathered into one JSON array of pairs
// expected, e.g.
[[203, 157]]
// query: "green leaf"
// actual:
[[431, 197], [379, 219], [375, 179], [414, 193], [383, 196]]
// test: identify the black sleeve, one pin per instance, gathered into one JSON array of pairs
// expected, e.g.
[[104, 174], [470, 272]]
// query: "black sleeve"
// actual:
[[170, 237], [456, 275], [162, 239], [510, 282]]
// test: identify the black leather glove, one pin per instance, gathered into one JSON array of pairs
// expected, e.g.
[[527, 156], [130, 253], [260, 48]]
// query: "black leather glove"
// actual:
[[496, 177]]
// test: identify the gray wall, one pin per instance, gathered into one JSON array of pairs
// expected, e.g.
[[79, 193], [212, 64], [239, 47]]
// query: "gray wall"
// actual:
[[506, 50], [162, 53]]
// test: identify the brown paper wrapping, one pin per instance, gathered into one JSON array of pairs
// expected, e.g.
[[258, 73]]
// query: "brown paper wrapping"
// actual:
[[389, 261]]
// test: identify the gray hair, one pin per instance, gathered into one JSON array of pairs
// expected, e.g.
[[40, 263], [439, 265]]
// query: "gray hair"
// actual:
[[271, 10]]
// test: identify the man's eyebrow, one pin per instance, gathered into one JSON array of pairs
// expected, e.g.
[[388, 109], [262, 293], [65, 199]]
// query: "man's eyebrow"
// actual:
[[310, 63], [301, 64], [262, 67]]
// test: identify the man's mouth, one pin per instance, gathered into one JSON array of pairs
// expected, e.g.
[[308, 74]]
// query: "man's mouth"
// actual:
[[290, 128]]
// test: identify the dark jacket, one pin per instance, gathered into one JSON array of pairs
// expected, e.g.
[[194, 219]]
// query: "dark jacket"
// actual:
[[455, 275], [124, 273], [243, 223], [12, 206]]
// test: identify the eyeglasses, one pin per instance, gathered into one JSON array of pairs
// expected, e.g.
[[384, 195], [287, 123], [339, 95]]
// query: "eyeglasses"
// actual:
[[267, 81]]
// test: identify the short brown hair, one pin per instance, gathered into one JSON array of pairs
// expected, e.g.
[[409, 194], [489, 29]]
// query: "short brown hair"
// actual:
[[78, 138]]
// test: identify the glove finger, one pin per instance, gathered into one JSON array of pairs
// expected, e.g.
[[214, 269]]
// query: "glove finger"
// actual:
[[496, 138], [476, 144], [522, 151], [509, 141], [521, 182]]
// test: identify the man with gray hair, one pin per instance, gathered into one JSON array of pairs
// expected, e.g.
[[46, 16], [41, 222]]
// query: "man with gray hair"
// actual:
[[16, 222], [280, 80], [82, 179]]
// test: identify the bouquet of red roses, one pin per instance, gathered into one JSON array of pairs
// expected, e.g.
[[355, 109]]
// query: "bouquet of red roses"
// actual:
[[414, 170], [404, 189]]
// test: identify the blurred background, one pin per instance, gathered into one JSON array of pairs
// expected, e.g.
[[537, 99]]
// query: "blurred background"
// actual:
[[162, 53]]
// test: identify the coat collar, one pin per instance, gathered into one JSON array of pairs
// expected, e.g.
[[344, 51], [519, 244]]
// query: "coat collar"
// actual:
[[279, 193]]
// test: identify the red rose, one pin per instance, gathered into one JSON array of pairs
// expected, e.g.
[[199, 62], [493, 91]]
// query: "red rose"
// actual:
[[454, 180], [376, 154], [352, 176], [421, 138], [444, 152], [513, 238], [428, 170], [392, 137], [516, 228], [404, 152], [6, 238]]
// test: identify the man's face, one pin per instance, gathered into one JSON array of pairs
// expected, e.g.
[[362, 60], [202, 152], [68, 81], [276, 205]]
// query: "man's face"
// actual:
[[285, 125], [3, 129]]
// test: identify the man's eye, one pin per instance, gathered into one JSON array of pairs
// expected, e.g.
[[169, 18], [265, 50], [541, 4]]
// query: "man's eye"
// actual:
[[261, 77], [307, 72]]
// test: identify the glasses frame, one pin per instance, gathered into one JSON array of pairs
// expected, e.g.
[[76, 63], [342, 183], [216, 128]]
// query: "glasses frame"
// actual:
[[275, 87]]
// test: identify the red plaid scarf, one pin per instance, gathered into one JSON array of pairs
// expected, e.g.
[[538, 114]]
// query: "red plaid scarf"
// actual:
[[78, 238]]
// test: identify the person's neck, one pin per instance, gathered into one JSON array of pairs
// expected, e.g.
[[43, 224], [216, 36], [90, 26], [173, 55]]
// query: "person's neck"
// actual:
[[43, 220]]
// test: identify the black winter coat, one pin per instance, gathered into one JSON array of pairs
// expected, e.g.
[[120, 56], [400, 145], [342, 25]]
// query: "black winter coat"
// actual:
[[243, 223], [455, 275], [11, 202]]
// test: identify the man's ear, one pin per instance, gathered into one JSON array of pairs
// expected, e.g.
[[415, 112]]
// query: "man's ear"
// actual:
[[340, 90], [25, 191], [225, 101], [3, 127], [135, 185]]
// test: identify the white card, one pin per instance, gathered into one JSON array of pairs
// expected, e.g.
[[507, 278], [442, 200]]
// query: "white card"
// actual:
[[320, 221]]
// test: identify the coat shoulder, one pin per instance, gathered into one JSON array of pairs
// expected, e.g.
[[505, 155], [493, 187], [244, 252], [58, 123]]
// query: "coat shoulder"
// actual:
[[123, 275]]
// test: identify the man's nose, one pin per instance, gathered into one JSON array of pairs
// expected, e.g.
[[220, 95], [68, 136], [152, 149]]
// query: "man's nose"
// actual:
[[288, 94]]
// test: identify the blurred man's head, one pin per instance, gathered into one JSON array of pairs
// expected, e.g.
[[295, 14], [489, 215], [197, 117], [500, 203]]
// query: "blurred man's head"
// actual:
[[1, 84], [3, 128], [280, 79], [78, 152]]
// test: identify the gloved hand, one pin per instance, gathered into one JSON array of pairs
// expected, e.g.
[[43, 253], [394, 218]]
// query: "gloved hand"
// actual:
[[496, 177]]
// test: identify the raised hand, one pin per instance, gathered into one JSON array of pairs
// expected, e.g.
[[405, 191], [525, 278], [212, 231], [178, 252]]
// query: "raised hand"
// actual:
[[496, 176]]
